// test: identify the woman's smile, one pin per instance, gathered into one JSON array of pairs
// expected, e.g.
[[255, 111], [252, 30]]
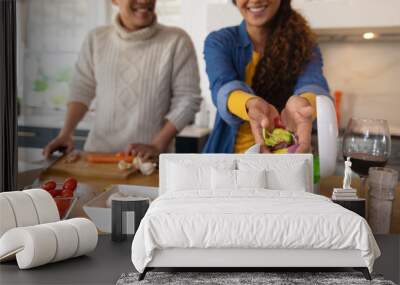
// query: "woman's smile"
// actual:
[[257, 10], [258, 13]]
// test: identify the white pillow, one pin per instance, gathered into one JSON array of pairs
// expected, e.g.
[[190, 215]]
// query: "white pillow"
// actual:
[[292, 179], [223, 179], [188, 175], [284, 172], [230, 180], [251, 178]]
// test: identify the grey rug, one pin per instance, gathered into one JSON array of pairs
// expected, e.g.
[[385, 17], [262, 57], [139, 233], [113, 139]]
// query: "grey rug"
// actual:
[[230, 278]]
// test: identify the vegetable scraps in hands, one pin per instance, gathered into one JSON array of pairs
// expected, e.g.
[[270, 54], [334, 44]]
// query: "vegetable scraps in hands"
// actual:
[[280, 141]]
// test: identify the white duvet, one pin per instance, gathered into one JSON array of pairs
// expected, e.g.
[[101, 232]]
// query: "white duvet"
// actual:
[[250, 219]]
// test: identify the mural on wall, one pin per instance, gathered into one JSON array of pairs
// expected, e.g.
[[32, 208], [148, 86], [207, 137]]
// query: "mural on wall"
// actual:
[[55, 30], [47, 78]]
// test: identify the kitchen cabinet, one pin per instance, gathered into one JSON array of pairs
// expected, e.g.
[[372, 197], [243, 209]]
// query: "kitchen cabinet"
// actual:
[[351, 14], [336, 17]]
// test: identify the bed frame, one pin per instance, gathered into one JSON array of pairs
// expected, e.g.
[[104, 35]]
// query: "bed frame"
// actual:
[[242, 259], [245, 259]]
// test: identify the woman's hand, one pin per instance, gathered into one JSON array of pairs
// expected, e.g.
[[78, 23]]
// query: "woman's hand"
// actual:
[[61, 142], [297, 117], [143, 151], [262, 116]]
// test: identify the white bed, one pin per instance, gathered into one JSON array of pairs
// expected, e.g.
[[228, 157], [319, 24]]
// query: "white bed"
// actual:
[[248, 226]]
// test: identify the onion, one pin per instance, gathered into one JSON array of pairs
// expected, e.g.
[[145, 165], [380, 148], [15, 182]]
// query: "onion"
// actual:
[[293, 148]]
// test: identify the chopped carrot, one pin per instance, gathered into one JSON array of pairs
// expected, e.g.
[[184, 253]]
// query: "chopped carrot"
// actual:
[[108, 158]]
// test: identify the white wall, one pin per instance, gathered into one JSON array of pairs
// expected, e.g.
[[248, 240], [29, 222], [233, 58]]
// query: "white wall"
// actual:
[[194, 15], [199, 18], [368, 73], [196, 21]]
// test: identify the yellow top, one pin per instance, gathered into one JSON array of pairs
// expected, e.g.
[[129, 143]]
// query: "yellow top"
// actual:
[[237, 105]]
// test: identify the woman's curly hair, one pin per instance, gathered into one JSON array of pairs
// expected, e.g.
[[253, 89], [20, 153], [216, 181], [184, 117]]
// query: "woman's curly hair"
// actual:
[[289, 47]]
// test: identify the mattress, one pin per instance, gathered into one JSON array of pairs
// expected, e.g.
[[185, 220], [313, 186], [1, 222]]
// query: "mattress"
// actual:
[[251, 219]]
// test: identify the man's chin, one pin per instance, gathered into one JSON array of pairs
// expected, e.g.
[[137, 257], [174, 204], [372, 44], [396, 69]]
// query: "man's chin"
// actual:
[[143, 23]]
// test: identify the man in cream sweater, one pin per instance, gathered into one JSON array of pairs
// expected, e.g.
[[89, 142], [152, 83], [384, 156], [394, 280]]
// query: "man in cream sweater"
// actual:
[[145, 79]]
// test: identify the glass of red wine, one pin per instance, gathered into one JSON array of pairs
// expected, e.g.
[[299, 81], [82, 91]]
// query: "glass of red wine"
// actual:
[[367, 143]]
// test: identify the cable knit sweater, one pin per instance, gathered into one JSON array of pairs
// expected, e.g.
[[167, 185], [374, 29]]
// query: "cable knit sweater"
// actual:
[[139, 79]]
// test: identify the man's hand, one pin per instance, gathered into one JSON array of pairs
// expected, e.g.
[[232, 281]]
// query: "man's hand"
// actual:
[[75, 112], [262, 116], [143, 151], [60, 142], [297, 117]]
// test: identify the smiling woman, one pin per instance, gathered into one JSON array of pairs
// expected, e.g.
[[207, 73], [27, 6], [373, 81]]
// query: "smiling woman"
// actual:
[[255, 69]]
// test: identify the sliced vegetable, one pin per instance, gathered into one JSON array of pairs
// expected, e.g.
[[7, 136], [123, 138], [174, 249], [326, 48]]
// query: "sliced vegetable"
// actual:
[[108, 158], [72, 157], [123, 165], [277, 136], [281, 151], [280, 141]]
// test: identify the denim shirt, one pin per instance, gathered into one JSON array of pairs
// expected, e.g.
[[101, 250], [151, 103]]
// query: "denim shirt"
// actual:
[[227, 53]]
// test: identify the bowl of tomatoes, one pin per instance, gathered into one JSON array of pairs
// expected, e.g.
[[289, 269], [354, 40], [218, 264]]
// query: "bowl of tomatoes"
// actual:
[[64, 194]]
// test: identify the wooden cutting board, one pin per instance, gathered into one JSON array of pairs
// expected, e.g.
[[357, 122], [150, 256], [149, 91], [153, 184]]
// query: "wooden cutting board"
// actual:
[[83, 168]]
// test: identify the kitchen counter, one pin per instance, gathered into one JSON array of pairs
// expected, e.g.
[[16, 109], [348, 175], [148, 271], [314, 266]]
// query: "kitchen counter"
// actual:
[[90, 187]]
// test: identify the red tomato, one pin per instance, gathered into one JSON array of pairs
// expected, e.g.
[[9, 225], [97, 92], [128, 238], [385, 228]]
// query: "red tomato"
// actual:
[[53, 192], [62, 206], [49, 185], [70, 184], [58, 192], [67, 193]]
